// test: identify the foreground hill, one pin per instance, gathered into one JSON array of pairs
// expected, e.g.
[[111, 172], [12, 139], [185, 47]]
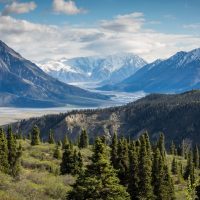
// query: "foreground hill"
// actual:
[[176, 74], [24, 84], [177, 116]]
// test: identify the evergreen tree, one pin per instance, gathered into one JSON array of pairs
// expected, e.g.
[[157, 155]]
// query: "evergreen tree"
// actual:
[[174, 167], [67, 164], [189, 171], [35, 136], [161, 180], [13, 154], [84, 141], [148, 144], [78, 163], [161, 145], [114, 153], [57, 152], [99, 180], [183, 149], [196, 156], [51, 137], [4, 166], [133, 181], [123, 161], [65, 142], [172, 148], [145, 170]]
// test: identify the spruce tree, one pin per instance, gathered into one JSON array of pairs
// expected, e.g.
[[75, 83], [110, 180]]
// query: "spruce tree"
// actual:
[[161, 145], [78, 163], [84, 140], [13, 153], [172, 148], [189, 171], [51, 137], [122, 161], [67, 164], [65, 142], [148, 144], [4, 166], [133, 181], [174, 167], [196, 157], [35, 136], [57, 152], [114, 153], [99, 180], [161, 180], [145, 171]]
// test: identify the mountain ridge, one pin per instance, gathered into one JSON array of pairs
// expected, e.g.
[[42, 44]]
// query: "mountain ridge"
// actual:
[[111, 68], [23, 79], [176, 115], [176, 74]]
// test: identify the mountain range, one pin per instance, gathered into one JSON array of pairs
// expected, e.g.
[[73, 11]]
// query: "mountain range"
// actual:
[[180, 72], [176, 115], [24, 84], [108, 69]]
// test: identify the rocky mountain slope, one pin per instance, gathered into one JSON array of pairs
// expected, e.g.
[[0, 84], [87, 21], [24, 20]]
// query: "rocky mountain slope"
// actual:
[[177, 116], [108, 69], [24, 84], [176, 74]]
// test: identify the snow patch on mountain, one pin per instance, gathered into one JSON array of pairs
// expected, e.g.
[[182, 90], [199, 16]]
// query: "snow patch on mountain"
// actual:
[[111, 68]]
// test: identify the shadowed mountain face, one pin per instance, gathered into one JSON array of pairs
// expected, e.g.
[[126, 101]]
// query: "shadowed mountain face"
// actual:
[[179, 73], [24, 84], [177, 116]]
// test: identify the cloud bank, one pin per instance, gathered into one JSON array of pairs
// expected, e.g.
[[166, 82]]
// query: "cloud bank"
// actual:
[[19, 8], [123, 33]]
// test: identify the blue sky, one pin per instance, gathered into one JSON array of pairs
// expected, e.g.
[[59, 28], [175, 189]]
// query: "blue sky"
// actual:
[[65, 28]]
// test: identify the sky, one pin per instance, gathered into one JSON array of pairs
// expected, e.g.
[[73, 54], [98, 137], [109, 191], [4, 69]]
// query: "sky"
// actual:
[[52, 29]]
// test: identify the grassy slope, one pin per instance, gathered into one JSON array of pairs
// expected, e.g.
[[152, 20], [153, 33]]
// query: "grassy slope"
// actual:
[[40, 177]]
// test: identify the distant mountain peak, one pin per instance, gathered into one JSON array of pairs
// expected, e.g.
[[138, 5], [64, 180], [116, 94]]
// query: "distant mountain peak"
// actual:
[[178, 73], [110, 68]]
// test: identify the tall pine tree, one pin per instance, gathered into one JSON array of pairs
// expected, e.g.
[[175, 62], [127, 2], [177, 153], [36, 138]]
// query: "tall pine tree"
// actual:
[[13, 153], [35, 136], [99, 180], [51, 137], [4, 166], [114, 153], [84, 140], [67, 164], [145, 171], [133, 181]]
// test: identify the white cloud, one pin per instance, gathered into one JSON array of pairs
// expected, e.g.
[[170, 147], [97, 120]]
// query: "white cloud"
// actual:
[[124, 23], [19, 8], [66, 7], [192, 26], [37, 42]]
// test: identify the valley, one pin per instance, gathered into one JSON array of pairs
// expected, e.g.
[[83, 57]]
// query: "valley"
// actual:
[[11, 114]]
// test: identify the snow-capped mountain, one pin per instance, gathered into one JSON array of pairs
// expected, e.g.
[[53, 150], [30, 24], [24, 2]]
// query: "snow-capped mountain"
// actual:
[[22, 84], [179, 73], [108, 69]]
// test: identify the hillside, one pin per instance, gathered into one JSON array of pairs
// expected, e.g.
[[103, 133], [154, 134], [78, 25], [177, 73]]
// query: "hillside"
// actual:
[[40, 175], [24, 84], [176, 115], [176, 74]]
